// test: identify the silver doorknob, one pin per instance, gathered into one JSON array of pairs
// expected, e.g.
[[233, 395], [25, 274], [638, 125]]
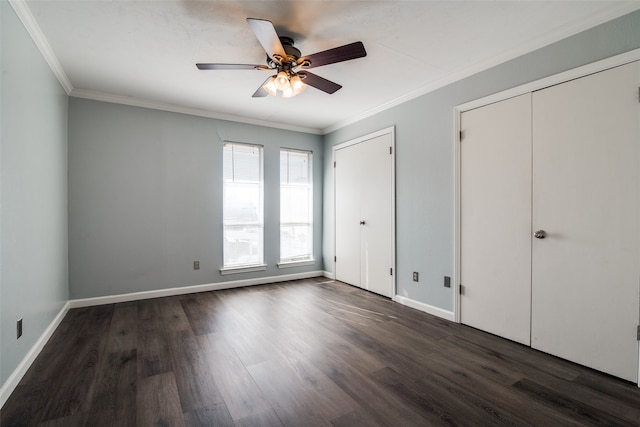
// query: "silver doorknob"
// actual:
[[361, 222], [540, 234]]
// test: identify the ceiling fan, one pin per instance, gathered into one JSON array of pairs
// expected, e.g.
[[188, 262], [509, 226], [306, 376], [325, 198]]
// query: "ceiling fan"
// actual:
[[291, 77]]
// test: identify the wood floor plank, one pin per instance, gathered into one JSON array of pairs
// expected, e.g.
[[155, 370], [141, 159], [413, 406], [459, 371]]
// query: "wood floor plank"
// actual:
[[359, 417], [587, 414], [98, 320], [201, 315], [158, 402], [300, 393], [473, 378], [216, 415], [122, 331], [153, 354], [443, 407], [54, 356], [603, 383], [26, 404], [77, 420], [385, 408], [264, 419], [76, 382], [196, 386], [174, 319], [518, 352], [114, 402], [513, 361], [239, 391]]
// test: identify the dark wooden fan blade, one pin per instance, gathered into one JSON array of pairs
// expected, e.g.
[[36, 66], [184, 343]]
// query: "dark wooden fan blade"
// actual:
[[261, 92], [228, 67], [319, 82], [337, 54], [267, 36]]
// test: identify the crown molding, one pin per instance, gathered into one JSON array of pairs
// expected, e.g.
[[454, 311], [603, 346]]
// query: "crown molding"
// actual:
[[32, 27], [26, 17], [30, 24], [163, 106], [538, 43]]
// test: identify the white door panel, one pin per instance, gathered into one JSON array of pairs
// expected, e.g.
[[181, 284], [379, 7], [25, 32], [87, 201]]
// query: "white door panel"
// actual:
[[495, 216], [585, 302], [377, 232], [347, 183]]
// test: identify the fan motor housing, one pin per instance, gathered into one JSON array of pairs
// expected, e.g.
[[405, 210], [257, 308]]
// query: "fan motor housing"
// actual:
[[289, 49]]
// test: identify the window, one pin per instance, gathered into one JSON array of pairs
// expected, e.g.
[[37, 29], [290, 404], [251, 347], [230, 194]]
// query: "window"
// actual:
[[242, 206], [296, 206]]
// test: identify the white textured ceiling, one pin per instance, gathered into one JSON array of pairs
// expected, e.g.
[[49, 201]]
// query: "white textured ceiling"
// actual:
[[143, 52]]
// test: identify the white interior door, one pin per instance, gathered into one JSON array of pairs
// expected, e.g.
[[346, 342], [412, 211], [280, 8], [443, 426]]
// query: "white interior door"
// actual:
[[585, 299], [348, 216], [495, 218], [364, 214], [376, 203]]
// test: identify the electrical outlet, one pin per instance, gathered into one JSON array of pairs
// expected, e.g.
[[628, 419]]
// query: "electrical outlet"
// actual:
[[415, 276], [196, 265], [18, 328], [447, 281]]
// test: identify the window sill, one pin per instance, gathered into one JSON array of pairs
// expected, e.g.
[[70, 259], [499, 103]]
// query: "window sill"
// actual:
[[302, 263], [244, 269]]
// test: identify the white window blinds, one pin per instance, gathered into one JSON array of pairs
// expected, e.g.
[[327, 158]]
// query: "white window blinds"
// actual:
[[242, 205], [296, 206]]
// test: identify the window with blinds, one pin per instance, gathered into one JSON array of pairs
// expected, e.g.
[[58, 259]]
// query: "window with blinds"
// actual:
[[296, 206], [242, 205]]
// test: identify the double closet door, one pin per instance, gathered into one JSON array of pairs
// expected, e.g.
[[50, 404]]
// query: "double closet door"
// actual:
[[364, 214], [550, 220]]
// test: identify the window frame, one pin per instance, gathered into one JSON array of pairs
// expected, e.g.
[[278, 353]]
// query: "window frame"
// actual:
[[249, 266], [297, 261]]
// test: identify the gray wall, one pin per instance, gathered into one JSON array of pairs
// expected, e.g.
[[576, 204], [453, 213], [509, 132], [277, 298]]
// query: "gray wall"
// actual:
[[425, 159], [33, 193], [145, 197]]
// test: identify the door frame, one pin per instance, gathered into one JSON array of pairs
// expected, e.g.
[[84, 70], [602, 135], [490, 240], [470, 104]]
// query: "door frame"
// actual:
[[595, 67], [362, 139]]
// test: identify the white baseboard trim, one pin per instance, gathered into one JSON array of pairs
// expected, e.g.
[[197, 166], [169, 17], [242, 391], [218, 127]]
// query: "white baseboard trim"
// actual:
[[436, 311], [135, 296], [328, 275], [13, 380]]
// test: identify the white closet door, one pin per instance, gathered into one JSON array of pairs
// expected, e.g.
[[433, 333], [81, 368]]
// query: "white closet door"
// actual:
[[585, 302], [364, 214], [347, 206], [376, 202], [495, 215]]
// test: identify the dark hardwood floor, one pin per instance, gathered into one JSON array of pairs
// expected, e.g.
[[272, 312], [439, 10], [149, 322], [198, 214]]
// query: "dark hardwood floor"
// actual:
[[305, 353]]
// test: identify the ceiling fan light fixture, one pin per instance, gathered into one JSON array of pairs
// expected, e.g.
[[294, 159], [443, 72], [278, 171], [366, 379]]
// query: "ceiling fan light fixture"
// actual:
[[270, 86], [288, 93], [297, 85], [282, 81]]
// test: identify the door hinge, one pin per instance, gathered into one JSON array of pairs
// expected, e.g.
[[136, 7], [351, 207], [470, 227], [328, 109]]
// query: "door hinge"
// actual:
[[391, 271], [334, 164], [461, 289], [638, 334], [335, 258], [460, 135], [390, 150]]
